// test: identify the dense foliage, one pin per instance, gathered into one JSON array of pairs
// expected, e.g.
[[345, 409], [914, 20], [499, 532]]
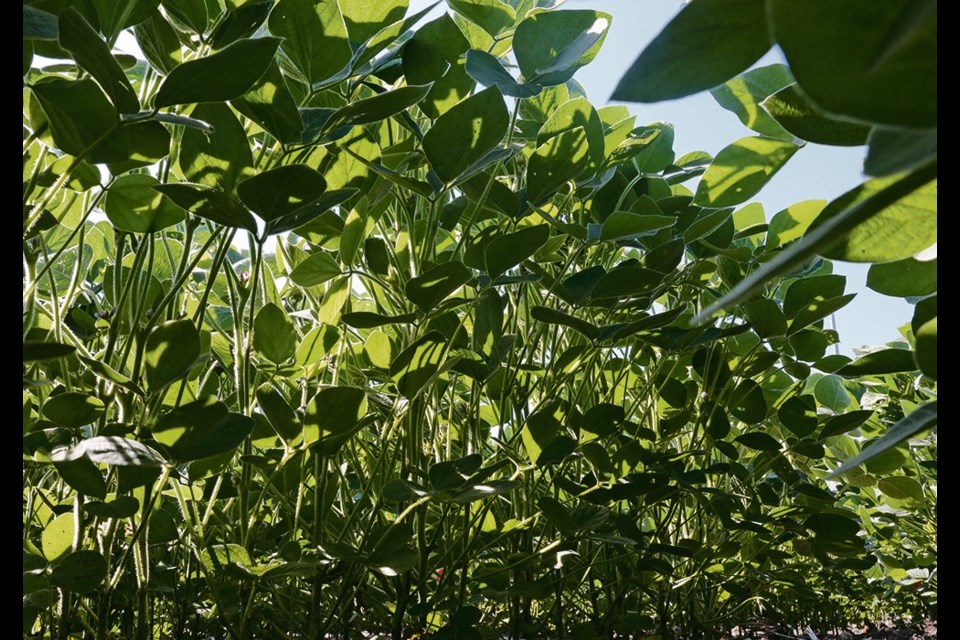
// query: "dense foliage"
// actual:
[[339, 320]]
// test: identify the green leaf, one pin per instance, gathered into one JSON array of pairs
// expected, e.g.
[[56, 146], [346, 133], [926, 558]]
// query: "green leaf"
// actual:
[[859, 59], [465, 133], [279, 414], [759, 441], [39, 24], [78, 113], [799, 415], [431, 287], [796, 114], [765, 317], [36, 351], [403, 491], [830, 392], [904, 278], [93, 55], [79, 572], [879, 363], [625, 282], [370, 320], [333, 415], [112, 450], [742, 95], [83, 477], [417, 364], [554, 316], [319, 267], [316, 344], [220, 158], [741, 169], [73, 409], [926, 353], [817, 311], [314, 37], [508, 250], [273, 334], [901, 488], [488, 71], [706, 44], [898, 230], [365, 18], [891, 150], [574, 113], [113, 16], [838, 425], [551, 46], [239, 22], [542, 437], [493, 16], [806, 291], [435, 54], [556, 161], [654, 153], [747, 402], [132, 204], [281, 191], [201, 429], [379, 107], [120, 508], [270, 104], [159, 43], [224, 75], [171, 350], [314, 209], [919, 420], [210, 203], [791, 223], [623, 225], [133, 145], [833, 526], [57, 537]]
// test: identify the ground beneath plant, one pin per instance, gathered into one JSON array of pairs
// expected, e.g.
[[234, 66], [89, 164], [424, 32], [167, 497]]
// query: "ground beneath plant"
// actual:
[[883, 631]]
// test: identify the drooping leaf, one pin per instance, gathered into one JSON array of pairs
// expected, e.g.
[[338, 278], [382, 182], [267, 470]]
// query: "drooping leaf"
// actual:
[[892, 150], [418, 363], [742, 95], [706, 44], [319, 267], [488, 71], [221, 158], [741, 169], [79, 115], [273, 334], [847, 62], [792, 110], [132, 204], [879, 363], [171, 350], [93, 55], [201, 429], [894, 232], [551, 46], [314, 37], [209, 203], [926, 354], [79, 572], [465, 133], [430, 288], [224, 75], [333, 415]]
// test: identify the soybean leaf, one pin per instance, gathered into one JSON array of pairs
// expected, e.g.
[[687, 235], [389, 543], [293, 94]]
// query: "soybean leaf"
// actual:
[[551, 46], [210, 203], [171, 350], [201, 429], [94, 56], [333, 415], [319, 267], [418, 363], [132, 204], [796, 114], [465, 133], [741, 169], [508, 250], [707, 43], [223, 75], [314, 37], [432, 286]]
